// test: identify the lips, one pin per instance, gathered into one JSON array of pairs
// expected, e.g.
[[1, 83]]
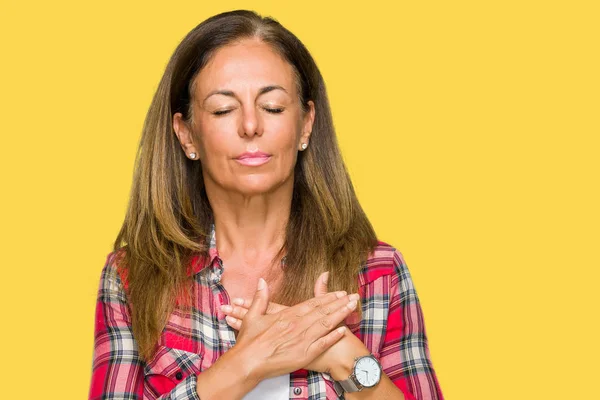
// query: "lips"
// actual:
[[253, 159], [256, 154]]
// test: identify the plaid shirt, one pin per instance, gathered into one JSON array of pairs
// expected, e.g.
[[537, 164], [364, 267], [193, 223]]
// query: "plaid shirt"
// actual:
[[392, 328]]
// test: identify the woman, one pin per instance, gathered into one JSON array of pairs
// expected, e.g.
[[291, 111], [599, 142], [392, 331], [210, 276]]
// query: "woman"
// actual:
[[244, 251]]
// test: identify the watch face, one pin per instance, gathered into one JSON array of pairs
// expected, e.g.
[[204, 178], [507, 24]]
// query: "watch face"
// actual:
[[367, 371]]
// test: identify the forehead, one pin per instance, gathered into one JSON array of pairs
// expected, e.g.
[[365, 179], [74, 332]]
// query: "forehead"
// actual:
[[245, 65]]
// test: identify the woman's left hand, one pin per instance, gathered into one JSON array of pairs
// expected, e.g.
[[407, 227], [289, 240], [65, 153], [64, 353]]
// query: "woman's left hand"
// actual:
[[345, 350]]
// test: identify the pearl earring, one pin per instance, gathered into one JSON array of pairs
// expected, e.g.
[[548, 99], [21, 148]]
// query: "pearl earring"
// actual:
[[304, 146], [192, 155]]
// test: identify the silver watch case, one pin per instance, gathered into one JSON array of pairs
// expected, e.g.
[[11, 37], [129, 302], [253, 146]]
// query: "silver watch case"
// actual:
[[352, 384]]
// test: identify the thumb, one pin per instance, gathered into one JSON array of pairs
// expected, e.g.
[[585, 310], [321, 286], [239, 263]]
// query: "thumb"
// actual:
[[260, 302], [321, 284]]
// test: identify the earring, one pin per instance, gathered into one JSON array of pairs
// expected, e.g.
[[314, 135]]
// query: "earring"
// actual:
[[192, 155], [304, 146]]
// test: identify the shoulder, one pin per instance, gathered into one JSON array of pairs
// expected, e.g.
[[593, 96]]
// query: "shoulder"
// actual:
[[113, 278], [384, 261]]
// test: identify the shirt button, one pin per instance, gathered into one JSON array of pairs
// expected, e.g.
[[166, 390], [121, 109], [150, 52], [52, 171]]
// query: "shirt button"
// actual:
[[297, 391], [178, 375]]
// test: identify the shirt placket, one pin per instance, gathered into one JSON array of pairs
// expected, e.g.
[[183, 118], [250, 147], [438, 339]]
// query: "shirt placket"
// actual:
[[225, 333], [299, 384], [298, 379]]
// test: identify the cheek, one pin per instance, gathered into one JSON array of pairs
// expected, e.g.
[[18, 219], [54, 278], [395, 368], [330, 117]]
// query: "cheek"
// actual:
[[286, 161], [213, 145], [285, 143], [287, 132], [212, 138]]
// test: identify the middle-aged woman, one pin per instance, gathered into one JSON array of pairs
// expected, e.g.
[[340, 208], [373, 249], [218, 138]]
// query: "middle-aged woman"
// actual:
[[245, 267]]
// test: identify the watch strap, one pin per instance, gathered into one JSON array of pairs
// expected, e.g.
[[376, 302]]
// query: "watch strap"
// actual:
[[347, 385]]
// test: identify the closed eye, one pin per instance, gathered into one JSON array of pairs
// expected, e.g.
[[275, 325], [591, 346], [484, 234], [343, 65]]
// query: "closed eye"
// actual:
[[274, 110], [269, 110]]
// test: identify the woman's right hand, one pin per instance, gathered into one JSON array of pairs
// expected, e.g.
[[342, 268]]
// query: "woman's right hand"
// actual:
[[269, 345]]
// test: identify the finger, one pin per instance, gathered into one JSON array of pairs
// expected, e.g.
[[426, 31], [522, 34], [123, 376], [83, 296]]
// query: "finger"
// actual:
[[320, 345], [323, 320], [234, 311], [311, 304], [273, 308], [321, 284], [234, 322], [242, 302], [261, 299]]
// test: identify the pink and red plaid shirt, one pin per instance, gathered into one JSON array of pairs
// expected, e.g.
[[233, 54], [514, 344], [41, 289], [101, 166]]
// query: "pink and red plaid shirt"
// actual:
[[392, 328]]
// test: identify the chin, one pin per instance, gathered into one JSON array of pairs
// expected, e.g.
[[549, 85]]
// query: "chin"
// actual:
[[257, 184]]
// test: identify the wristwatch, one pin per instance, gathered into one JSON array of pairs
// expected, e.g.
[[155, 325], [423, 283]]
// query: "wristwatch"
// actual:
[[366, 374]]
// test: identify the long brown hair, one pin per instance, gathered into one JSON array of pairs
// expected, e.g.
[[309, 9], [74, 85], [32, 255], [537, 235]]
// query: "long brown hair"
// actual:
[[169, 217]]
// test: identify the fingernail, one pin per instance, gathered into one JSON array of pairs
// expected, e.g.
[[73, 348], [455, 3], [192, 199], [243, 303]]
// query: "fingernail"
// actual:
[[352, 305], [341, 294], [230, 319], [226, 308], [261, 284], [353, 296], [238, 302], [341, 329], [325, 278]]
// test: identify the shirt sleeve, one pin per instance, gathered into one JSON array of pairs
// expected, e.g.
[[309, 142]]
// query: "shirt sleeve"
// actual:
[[117, 369], [404, 353]]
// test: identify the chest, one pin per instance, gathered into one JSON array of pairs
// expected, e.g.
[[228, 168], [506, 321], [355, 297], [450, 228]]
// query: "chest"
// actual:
[[243, 284], [192, 343]]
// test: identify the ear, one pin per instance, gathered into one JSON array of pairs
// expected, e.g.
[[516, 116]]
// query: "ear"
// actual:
[[184, 135], [307, 124]]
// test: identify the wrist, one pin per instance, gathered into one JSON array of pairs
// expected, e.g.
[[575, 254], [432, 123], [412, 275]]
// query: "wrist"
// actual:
[[343, 369], [247, 365], [226, 378], [344, 366]]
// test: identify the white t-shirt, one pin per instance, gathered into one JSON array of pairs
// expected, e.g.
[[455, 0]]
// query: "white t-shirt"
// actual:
[[276, 388]]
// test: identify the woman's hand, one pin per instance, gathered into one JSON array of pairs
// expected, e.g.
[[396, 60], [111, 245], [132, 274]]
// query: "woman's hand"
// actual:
[[290, 339], [342, 350]]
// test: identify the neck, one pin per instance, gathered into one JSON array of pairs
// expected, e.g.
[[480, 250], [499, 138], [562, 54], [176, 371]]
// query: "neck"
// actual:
[[250, 228]]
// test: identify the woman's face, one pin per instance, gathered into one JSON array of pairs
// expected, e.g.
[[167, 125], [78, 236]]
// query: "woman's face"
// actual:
[[248, 124]]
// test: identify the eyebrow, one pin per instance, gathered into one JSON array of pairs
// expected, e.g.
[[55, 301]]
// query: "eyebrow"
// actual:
[[263, 90]]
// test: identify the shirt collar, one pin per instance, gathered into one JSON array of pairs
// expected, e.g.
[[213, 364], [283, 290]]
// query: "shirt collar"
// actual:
[[200, 261]]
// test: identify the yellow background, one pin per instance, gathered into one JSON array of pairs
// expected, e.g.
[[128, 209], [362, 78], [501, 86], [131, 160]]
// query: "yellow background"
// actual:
[[470, 129]]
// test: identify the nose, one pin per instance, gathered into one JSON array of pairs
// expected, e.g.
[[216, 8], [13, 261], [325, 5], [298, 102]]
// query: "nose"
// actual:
[[251, 122]]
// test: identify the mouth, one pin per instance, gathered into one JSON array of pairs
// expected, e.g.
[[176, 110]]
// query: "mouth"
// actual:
[[253, 159]]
